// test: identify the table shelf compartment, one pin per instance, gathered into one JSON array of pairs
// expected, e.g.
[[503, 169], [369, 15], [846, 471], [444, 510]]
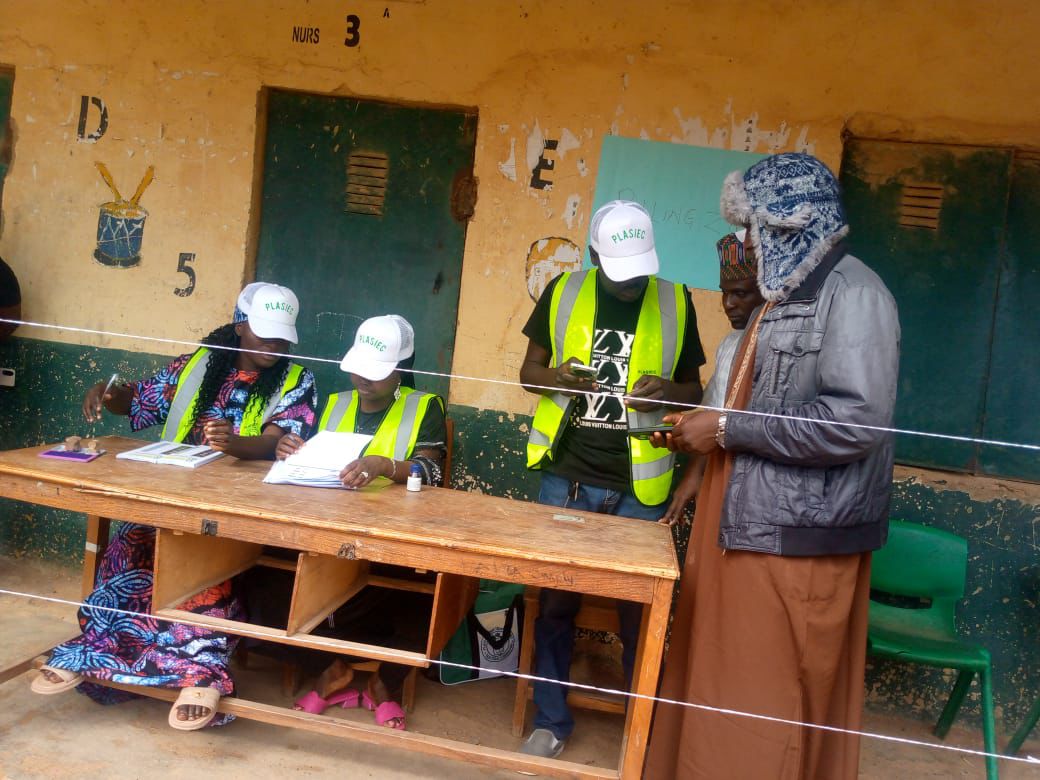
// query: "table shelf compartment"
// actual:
[[186, 564]]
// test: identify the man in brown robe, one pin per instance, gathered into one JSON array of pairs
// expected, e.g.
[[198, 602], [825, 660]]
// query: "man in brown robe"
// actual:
[[772, 611]]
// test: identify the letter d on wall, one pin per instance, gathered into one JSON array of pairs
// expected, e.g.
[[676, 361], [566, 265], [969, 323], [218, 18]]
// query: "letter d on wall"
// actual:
[[84, 109]]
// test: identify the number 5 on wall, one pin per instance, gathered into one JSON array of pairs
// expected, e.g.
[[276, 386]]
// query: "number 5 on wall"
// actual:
[[184, 268]]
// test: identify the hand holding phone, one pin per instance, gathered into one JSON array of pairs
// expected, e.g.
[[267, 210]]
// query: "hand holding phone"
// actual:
[[646, 431], [576, 376]]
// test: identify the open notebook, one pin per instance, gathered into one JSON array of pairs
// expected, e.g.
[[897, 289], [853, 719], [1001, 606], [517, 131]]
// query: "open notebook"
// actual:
[[319, 462], [173, 453]]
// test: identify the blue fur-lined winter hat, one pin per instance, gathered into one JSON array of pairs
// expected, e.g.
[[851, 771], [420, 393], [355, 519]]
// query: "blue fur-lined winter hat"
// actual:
[[791, 203]]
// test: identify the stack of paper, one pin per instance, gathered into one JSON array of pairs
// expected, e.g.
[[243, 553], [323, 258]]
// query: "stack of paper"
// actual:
[[173, 453], [319, 462]]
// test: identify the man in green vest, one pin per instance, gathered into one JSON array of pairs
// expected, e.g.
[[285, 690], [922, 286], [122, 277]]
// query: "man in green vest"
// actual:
[[606, 347]]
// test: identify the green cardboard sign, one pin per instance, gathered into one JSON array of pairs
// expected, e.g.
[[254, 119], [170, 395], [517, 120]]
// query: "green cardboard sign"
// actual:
[[679, 185]]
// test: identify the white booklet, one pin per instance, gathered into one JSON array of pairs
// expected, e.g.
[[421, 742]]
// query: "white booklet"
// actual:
[[173, 453], [319, 462]]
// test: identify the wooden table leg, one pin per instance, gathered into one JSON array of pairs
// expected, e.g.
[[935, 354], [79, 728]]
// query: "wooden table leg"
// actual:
[[644, 682], [97, 542]]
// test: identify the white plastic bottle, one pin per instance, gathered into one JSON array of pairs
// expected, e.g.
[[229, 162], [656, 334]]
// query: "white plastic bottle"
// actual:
[[414, 483]]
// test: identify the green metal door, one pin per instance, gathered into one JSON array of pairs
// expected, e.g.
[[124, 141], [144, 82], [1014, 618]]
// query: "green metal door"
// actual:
[[1011, 410], [362, 215], [6, 88], [930, 219]]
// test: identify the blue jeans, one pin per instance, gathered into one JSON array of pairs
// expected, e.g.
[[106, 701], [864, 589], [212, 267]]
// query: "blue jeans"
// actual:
[[554, 628]]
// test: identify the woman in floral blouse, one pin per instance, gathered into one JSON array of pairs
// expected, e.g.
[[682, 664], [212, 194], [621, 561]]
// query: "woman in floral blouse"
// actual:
[[240, 394]]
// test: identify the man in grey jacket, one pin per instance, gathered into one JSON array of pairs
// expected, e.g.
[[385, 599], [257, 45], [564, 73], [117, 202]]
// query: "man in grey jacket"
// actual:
[[773, 600]]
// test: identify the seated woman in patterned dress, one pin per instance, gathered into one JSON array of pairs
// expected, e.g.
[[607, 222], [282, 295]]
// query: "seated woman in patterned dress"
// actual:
[[408, 430], [239, 402]]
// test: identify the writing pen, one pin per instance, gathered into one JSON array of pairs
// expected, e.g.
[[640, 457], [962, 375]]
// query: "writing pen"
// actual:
[[108, 387], [101, 402]]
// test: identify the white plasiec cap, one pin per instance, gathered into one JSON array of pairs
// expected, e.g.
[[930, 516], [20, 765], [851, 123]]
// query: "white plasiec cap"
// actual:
[[622, 234], [379, 345], [245, 300], [272, 313]]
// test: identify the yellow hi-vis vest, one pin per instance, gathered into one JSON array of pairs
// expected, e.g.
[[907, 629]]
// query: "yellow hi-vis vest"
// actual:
[[180, 419], [395, 437], [658, 343]]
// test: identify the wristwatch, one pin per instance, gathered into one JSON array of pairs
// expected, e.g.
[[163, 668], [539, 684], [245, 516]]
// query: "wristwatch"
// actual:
[[720, 432]]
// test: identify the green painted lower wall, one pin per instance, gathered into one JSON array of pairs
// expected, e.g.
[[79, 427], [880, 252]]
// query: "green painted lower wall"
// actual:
[[1000, 609], [490, 451]]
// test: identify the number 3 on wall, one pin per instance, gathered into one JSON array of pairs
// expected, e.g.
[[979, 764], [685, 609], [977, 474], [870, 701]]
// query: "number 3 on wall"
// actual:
[[353, 35], [184, 268]]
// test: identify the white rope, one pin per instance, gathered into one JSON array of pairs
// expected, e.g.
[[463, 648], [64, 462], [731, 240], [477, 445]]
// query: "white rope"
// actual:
[[677, 404], [409, 659], [335, 647]]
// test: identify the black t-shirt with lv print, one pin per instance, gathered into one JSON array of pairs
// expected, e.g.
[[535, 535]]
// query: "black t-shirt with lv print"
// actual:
[[594, 446]]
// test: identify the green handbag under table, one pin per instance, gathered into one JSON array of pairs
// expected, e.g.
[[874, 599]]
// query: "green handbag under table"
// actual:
[[489, 637]]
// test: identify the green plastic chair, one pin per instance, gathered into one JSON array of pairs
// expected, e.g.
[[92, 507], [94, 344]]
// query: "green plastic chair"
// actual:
[[930, 565], [1023, 731]]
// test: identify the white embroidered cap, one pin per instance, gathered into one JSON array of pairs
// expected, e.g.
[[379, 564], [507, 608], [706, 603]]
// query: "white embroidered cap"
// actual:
[[379, 345], [622, 234], [272, 313]]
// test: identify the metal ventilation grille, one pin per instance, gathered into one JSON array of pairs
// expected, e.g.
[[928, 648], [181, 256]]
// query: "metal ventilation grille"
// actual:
[[367, 174], [920, 205]]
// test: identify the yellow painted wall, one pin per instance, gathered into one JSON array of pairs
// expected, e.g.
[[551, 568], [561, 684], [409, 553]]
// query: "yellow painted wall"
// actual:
[[181, 83]]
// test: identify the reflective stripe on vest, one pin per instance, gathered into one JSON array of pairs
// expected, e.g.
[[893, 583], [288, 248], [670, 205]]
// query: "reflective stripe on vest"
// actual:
[[655, 350], [180, 419], [397, 432], [571, 336]]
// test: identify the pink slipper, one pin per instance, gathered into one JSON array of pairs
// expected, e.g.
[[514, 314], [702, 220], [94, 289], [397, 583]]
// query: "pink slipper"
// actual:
[[313, 703], [385, 712], [348, 699]]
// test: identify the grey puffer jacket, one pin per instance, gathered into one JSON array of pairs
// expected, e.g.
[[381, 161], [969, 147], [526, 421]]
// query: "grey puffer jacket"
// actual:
[[830, 352]]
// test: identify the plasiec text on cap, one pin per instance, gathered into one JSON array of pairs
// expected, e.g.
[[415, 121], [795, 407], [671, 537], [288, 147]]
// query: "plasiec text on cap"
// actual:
[[372, 342], [280, 306], [621, 235]]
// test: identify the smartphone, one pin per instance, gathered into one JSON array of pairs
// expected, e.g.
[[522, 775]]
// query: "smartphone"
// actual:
[[580, 369], [645, 432]]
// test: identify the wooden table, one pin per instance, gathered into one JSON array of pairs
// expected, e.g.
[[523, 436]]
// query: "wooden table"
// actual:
[[212, 523]]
